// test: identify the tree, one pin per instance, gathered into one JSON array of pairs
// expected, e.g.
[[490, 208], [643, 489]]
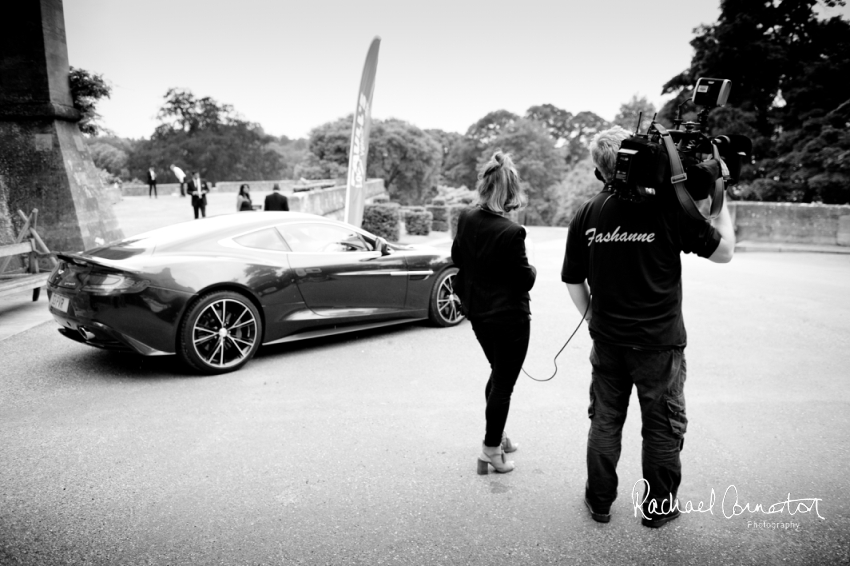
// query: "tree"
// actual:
[[557, 121], [813, 163], [539, 164], [291, 152], [583, 127], [87, 89], [405, 157], [460, 165], [111, 154], [487, 128], [577, 187], [328, 147], [447, 142], [629, 112], [183, 112], [200, 134]]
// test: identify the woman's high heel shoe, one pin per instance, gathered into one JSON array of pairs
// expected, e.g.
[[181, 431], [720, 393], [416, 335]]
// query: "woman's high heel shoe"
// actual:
[[493, 456], [507, 445]]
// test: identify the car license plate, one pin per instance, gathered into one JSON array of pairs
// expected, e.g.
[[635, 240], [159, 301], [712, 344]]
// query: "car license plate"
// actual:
[[59, 302]]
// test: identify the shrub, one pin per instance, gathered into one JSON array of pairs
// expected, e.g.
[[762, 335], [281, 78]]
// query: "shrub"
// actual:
[[382, 220], [406, 211], [438, 212], [439, 201], [418, 222], [439, 215]]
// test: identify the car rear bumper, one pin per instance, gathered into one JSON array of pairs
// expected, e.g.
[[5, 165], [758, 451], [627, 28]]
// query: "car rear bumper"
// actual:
[[102, 336]]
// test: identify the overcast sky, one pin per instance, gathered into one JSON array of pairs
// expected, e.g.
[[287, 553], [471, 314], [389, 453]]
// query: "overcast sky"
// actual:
[[293, 65]]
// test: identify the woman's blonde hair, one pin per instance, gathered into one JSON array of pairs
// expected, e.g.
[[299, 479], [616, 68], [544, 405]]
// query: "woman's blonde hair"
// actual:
[[498, 185]]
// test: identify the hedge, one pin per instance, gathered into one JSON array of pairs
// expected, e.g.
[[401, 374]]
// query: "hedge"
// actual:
[[382, 220], [418, 222], [438, 212], [408, 210]]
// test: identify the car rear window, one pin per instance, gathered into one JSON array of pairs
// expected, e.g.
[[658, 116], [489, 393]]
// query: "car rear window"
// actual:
[[266, 239], [123, 249]]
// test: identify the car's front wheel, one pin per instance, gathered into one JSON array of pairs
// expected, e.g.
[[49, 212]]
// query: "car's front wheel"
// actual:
[[220, 332], [444, 309]]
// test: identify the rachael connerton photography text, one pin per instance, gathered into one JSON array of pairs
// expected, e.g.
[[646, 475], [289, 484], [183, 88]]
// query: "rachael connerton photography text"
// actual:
[[730, 506]]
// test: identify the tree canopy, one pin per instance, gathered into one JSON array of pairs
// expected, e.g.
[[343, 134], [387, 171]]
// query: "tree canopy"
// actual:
[[201, 134], [86, 90], [539, 163], [405, 157]]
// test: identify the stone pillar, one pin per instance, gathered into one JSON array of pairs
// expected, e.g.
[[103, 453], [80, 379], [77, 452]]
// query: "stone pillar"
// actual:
[[44, 161]]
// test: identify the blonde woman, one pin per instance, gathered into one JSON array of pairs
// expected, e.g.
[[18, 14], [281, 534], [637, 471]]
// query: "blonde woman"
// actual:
[[493, 281]]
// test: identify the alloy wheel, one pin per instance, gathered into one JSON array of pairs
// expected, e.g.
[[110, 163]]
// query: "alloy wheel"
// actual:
[[448, 303], [224, 333]]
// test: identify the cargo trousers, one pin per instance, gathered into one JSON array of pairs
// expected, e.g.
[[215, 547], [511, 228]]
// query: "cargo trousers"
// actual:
[[659, 376]]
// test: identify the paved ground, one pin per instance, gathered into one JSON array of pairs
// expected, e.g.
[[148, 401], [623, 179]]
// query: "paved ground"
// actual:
[[361, 449]]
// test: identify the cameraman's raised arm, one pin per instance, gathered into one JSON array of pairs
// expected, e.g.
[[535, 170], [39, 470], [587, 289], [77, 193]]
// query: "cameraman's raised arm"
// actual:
[[580, 294], [723, 224]]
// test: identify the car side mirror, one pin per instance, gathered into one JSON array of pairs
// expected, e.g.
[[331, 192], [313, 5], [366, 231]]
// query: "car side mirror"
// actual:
[[382, 246]]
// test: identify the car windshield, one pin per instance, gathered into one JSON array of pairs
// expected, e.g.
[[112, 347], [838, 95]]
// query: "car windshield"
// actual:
[[320, 237]]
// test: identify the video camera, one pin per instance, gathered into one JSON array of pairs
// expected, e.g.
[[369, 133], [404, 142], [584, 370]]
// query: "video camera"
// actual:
[[662, 160]]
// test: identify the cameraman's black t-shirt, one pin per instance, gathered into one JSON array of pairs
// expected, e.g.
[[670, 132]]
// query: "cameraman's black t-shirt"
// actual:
[[630, 256]]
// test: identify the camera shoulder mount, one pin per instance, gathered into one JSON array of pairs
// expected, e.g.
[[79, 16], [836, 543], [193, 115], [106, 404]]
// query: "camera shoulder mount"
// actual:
[[678, 178]]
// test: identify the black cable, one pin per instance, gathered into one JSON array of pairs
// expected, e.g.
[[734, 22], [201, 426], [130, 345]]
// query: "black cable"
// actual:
[[555, 359]]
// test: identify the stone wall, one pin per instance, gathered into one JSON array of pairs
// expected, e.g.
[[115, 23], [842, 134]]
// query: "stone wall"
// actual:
[[815, 224], [328, 202], [257, 187], [44, 161], [331, 202], [45, 164]]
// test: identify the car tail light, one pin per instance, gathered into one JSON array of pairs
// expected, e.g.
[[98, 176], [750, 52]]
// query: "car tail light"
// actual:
[[65, 275], [56, 274], [113, 284]]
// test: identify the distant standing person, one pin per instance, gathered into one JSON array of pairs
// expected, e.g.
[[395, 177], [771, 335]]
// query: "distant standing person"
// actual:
[[181, 178], [151, 182], [198, 190], [243, 199], [276, 201]]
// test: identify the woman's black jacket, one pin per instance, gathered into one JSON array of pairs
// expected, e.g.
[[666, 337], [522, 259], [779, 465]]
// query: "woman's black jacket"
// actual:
[[494, 275]]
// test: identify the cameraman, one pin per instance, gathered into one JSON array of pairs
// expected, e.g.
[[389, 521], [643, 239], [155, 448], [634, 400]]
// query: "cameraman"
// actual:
[[629, 255]]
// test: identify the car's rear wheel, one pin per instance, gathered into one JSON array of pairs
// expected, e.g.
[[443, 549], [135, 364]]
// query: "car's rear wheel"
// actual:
[[444, 309], [221, 331]]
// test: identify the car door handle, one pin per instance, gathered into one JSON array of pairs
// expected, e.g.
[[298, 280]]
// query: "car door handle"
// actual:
[[303, 272]]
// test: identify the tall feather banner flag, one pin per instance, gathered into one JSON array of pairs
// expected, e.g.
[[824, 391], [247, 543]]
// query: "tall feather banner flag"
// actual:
[[355, 192]]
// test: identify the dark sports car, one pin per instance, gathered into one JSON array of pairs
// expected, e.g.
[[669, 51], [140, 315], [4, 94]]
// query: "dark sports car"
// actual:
[[212, 291]]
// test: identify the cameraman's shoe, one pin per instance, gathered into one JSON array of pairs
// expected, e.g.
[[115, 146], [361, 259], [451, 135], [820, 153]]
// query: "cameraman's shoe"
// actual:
[[656, 521], [598, 517]]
